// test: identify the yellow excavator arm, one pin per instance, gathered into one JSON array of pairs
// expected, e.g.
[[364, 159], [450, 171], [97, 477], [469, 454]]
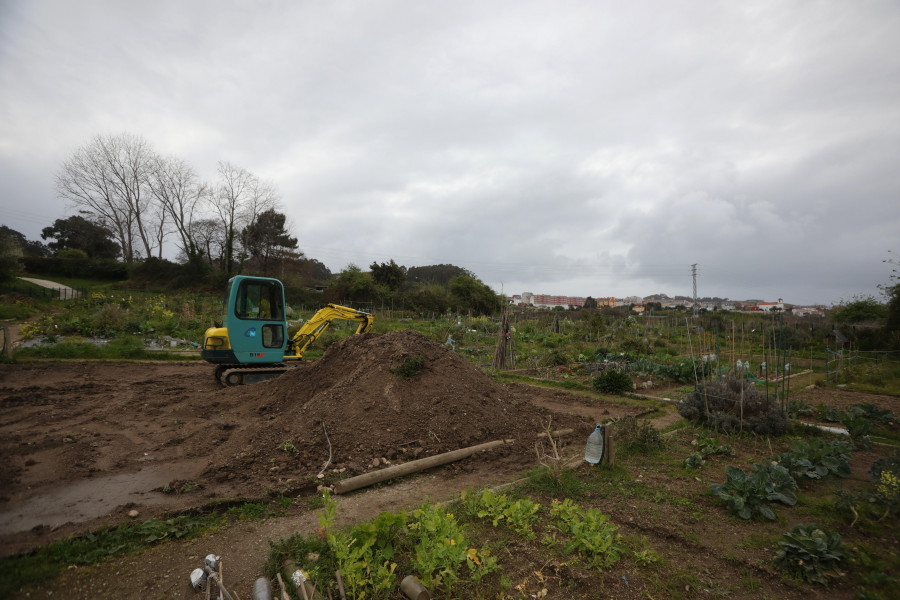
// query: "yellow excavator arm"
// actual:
[[319, 322]]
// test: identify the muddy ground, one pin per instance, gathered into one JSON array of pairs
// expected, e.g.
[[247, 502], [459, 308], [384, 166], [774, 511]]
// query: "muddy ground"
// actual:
[[82, 444]]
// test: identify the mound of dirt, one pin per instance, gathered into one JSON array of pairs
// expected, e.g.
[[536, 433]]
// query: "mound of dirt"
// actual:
[[395, 396]]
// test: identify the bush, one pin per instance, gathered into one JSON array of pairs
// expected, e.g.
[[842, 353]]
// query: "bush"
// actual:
[[717, 405], [613, 382], [636, 436], [810, 552]]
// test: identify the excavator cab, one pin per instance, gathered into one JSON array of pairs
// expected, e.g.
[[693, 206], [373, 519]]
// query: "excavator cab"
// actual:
[[254, 330], [252, 345]]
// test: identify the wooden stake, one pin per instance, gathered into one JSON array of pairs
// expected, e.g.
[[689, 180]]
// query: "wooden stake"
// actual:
[[610, 452], [340, 585], [284, 594]]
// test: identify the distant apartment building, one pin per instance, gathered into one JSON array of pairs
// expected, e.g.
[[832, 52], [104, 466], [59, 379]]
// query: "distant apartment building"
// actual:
[[547, 300], [611, 301]]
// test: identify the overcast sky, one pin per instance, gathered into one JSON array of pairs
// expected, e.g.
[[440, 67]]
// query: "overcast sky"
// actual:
[[564, 147]]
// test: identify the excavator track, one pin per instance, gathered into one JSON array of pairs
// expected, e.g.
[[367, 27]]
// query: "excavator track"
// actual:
[[233, 375]]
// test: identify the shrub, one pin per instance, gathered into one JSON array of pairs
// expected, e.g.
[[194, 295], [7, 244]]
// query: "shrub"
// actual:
[[717, 405], [636, 436], [613, 382], [810, 552], [555, 358]]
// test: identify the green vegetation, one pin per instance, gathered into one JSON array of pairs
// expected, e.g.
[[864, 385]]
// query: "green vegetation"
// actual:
[[747, 495], [589, 533], [817, 458], [733, 405], [882, 499], [128, 538], [613, 382], [519, 515], [409, 366], [130, 348], [811, 553]]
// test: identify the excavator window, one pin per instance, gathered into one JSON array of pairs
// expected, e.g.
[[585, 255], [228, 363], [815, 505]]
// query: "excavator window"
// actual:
[[258, 299]]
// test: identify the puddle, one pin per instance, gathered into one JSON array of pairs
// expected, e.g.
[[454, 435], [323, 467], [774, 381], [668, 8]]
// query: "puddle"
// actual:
[[91, 498]]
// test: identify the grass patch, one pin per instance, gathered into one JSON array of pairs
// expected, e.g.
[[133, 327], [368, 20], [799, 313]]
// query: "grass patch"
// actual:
[[566, 485], [128, 538], [128, 347], [96, 546]]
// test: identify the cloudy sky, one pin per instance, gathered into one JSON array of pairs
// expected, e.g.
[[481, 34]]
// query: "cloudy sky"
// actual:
[[565, 147]]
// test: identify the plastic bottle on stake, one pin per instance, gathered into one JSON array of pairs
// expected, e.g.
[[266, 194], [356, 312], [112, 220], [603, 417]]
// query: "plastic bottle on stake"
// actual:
[[593, 452]]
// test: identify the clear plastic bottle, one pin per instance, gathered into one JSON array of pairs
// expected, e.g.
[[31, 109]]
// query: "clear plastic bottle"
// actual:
[[593, 452]]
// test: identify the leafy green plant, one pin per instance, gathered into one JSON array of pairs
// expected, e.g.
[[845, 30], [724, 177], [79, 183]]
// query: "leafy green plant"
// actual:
[[694, 461], [288, 446], [613, 382], [886, 474], [882, 499], [647, 556], [519, 515], [817, 458], [810, 552], [798, 408], [747, 495], [709, 445], [364, 554], [589, 533], [439, 548], [859, 426]]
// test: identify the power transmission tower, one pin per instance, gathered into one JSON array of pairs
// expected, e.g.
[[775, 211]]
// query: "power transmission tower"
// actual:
[[694, 275]]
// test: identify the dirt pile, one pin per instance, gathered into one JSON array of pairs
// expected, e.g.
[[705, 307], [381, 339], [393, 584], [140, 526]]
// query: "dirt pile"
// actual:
[[373, 411]]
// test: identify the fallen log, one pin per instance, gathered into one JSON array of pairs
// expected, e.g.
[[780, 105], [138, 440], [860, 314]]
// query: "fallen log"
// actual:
[[367, 479], [557, 433]]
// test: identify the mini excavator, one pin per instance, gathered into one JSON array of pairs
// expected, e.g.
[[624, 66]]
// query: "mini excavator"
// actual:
[[252, 345]]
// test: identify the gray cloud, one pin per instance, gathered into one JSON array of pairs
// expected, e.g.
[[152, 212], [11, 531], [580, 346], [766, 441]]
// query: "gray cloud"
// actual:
[[584, 148]]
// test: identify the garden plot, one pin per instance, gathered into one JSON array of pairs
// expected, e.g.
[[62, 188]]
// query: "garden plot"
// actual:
[[69, 423]]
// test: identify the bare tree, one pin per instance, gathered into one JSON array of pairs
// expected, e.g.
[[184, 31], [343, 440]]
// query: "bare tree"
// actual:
[[208, 236], [238, 199], [181, 195], [109, 178]]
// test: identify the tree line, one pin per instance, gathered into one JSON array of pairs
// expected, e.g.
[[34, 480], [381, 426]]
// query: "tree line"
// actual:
[[132, 203], [121, 184]]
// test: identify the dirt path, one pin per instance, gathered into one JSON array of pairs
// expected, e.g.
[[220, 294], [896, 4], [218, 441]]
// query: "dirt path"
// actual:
[[65, 292], [163, 571]]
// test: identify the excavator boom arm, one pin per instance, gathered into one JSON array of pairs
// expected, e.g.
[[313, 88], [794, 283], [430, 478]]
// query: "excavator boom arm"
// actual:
[[319, 322]]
